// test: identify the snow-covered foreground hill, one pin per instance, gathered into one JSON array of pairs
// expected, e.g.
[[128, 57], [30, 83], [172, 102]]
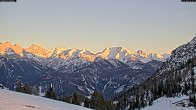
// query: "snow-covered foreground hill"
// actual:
[[10, 100], [174, 103]]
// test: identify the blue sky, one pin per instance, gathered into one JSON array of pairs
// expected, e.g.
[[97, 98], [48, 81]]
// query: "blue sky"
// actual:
[[151, 25]]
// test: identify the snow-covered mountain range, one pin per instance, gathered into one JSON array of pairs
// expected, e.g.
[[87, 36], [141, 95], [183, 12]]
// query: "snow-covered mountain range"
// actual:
[[119, 53], [77, 56], [112, 71]]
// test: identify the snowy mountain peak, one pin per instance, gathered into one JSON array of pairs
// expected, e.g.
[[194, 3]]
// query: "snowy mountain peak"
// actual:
[[154, 55], [76, 53], [125, 55], [36, 47], [55, 52], [141, 52], [119, 53], [37, 50], [7, 47]]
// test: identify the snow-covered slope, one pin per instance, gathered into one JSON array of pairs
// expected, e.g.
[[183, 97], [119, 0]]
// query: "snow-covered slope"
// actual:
[[173, 103], [10, 100]]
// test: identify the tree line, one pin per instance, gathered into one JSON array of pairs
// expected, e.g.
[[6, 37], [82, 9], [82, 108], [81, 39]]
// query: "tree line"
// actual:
[[95, 101]]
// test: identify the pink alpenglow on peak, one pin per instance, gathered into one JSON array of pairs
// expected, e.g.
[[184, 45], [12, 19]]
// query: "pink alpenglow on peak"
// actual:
[[122, 54]]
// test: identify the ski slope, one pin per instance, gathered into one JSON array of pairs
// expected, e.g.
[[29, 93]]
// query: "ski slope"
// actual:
[[164, 103], [10, 100]]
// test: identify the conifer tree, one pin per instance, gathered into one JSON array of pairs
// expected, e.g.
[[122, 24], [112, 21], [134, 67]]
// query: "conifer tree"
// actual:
[[87, 103], [50, 93], [19, 87], [76, 98], [97, 101], [67, 98], [27, 89]]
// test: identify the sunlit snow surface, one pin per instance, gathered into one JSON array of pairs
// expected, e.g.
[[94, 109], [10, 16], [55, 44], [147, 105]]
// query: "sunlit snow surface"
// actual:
[[10, 100], [168, 104]]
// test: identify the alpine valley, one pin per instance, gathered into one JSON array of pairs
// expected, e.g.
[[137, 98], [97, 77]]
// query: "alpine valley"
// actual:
[[112, 71]]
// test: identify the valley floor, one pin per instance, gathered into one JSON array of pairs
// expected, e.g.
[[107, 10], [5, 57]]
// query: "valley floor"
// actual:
[[10, 100]]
